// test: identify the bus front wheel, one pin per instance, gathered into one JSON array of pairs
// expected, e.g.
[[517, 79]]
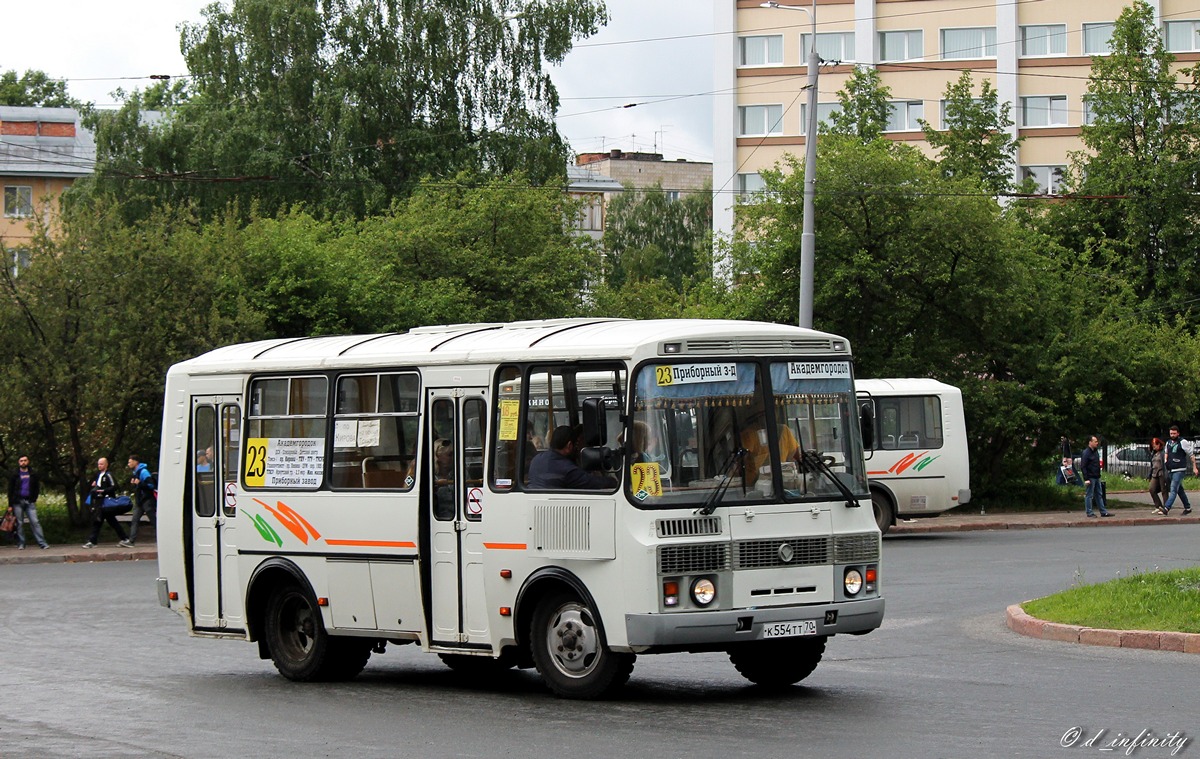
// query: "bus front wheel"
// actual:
[[301, 648], [884, 515], [569, 649], [778, 663]]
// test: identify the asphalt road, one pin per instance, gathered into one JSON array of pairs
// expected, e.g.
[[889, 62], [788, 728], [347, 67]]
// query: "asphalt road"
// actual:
[[94, 667]]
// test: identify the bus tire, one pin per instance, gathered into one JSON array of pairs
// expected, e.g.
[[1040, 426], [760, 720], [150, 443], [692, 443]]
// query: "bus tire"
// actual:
[[301, 648], [884, 513], [570, 652], [778, 663]]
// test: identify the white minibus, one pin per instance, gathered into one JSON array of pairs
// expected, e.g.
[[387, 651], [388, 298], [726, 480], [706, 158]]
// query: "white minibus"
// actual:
[[918, 465], [562, 494]]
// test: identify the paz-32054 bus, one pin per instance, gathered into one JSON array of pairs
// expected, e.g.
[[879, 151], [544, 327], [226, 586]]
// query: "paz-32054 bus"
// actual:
[[325, 496]]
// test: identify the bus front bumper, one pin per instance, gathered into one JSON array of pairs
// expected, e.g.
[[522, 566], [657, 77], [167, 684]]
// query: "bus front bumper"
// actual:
[[706, 628]]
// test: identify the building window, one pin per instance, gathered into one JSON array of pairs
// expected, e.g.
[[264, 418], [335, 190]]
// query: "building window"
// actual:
[[762, 51], [20, 260], [759, 120], [976, 101], [1048, 178], [750, 185], [672, 195], [972, 42], [1183, 36], [831, 46], [900, 46], [1044, 110], [1097, 38], [904, 116], [825, 113], [1048, 39], [591, 213], [18, 201], [1088, 116]]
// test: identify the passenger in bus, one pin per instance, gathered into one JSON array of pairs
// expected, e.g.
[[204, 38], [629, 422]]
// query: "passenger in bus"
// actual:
[[555, 469], [754, 440], [646, 448], [443, 478]]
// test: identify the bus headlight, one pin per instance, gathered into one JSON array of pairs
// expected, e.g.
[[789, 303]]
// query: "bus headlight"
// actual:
[[853, 582], [703, 591]]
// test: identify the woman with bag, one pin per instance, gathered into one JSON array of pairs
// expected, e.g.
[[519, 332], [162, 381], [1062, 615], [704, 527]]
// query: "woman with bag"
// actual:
[[1160, 483], [104, 487]]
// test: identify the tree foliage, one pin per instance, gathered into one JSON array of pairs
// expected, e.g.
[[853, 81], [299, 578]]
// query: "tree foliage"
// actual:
[[1143, 146], [34, 88], [647, 235], [345, 105], [976, 139], [863, 107]]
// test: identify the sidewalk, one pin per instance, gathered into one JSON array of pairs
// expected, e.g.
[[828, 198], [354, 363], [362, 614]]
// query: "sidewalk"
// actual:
[[1132, 508], [108, 550]]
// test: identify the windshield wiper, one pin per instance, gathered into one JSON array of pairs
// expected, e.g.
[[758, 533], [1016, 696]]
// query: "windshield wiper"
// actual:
[[714, 498], [815, 462]]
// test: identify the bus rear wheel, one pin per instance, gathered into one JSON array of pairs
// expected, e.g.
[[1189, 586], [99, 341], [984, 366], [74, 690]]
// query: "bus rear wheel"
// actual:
[[570, 652], [301, 648], [778, 663], [884, 514]]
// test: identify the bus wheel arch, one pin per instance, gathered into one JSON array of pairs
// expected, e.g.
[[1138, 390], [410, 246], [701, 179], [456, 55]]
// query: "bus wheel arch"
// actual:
[[555, 606], [266, 579], [883, 503]]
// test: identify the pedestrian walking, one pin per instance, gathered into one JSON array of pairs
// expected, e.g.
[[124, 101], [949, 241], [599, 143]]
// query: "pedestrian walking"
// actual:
[[23, 490], [145, 497], [103, 487], [1179, 459], [1159, 481], [1090, 464]]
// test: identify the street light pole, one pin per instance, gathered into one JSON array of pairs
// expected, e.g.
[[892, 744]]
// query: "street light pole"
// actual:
[[808, 236]]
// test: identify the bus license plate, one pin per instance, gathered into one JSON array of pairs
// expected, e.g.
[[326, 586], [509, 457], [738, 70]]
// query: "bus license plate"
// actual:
[[789, 629]]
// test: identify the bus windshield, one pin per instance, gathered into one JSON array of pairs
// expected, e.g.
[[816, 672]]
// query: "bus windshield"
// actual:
[[751, 429]]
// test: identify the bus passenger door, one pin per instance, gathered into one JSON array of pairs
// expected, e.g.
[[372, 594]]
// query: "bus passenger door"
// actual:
[[216, 425], [454, 495]]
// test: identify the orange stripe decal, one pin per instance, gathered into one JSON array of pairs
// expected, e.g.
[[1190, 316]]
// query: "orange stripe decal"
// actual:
[[296, 524], [373, 543], [506, 546]]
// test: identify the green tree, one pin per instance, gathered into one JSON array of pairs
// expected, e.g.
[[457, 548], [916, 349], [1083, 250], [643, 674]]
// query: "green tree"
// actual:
[[345, 105], [863, 107], [1143, 147], [976, 140], [34, 88], [648, 235]]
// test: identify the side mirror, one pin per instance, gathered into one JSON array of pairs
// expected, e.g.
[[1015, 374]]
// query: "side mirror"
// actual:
[[595, 429], [866, 422]]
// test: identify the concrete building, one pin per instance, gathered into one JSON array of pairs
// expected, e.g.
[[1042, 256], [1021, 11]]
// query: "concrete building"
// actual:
[[42, 152], [1037, 54]]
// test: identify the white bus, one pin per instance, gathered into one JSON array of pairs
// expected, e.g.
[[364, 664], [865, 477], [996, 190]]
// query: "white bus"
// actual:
[[375, 489], [918, 465]]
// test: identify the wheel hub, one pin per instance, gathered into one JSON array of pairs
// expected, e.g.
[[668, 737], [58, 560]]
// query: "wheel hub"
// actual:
[[574, 642]]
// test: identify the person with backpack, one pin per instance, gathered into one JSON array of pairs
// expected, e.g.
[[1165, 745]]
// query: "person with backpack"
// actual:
[[145, 497]]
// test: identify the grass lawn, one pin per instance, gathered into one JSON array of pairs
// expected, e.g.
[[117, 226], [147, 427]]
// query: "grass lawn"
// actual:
[[1165, 601]]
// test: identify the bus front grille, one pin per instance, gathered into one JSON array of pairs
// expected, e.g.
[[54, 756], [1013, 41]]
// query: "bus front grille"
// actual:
[[688, 527], [781, 552], [691, 559], [854, 549]]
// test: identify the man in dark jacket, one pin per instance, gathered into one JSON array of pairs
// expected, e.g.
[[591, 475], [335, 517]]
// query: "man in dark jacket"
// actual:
[[23, 490], [1090, 464], [555, 469]]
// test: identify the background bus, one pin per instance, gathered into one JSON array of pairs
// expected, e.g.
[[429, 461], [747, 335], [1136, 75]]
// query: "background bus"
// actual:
[[918, 465]]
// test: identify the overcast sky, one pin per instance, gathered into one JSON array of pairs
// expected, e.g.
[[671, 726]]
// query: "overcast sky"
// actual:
[[655, 53]]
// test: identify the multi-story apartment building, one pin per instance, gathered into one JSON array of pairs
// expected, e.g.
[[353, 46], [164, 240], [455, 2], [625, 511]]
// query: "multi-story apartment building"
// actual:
[[42, 152], [1036, 53]]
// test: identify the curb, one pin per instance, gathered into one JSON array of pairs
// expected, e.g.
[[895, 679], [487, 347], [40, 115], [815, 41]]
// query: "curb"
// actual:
[[931, 525], [82, 556], [1023, 624]]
